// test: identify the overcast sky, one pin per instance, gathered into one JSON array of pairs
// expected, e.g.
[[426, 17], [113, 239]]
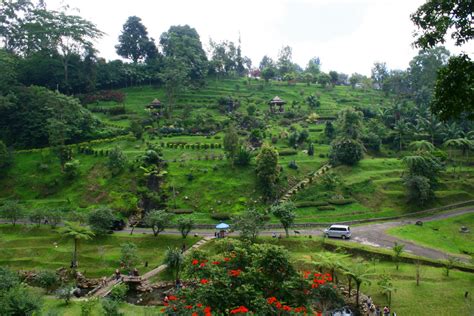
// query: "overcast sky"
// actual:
[[347, 35]]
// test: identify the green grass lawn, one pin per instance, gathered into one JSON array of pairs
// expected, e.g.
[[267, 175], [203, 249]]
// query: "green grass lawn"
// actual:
[[30, 248], [441, 234]]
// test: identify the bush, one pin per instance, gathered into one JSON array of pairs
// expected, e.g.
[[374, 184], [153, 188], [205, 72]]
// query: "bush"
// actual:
[[47, 280], [118, 292], [287, 152], [326, 208], [110, 307], [341, 201], [311, 204], [292, 165], [346, 151], [243, 157], [181, 211], [372, 141], [220, 216], [71, 169], [101, 220]]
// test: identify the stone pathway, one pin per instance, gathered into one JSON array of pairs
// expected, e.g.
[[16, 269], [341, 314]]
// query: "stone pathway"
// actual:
[[111, 282], [304, 182]]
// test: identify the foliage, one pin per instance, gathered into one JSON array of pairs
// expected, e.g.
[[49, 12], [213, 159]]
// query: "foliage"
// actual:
[[77, 233], [249, 224], [101, 220], [285, 212], [110, 307], [346, 151], [185, 225], [12, 211], [418, 188], [65, 293], [453, 92], [329, 130], [117, 161], [8, 279], [48, 280], [174, 259], [134, 42], [136, 129], [267, 169], [243, 157], [397, 253], [71, 169], [310, 149], [129, 255], [5, 158], [157, 220], [231, 143], [18, 300]]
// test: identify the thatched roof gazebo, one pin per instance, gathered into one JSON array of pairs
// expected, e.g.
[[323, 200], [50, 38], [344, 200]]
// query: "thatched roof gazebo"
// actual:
[[277, 101], [155, 104]]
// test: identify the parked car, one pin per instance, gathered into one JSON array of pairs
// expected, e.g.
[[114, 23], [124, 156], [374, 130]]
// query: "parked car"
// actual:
[[339, 231]]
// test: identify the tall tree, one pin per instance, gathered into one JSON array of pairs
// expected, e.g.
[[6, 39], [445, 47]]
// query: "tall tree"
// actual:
[[157, 220], [134, 42], [77, 233], [267, 169], [175, 77], [182, 42], [314, 66], [231, 143], [379, 74], [285, 63], [285, 212]]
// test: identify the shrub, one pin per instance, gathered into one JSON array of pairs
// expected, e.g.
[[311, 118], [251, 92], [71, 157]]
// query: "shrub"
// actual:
[[243, 157], [118, 292], [292, 165], [287, 152], [311, 203], [181, 211], [110, 307], [220, 216], [341, 201], [326, 208], [47, 280], [71, 169], [346, 151]]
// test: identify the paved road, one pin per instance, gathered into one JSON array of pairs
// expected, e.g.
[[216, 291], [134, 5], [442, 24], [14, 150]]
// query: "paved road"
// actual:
[[371, 234]]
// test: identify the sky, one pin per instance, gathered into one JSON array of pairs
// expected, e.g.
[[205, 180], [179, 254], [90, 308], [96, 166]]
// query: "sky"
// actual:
[[347, 35]]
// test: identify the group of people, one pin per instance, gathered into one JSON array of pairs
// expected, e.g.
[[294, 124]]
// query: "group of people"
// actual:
[[376, 311]]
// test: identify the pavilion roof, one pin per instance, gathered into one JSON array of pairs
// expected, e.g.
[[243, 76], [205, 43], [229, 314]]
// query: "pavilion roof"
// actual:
[[277, 100]]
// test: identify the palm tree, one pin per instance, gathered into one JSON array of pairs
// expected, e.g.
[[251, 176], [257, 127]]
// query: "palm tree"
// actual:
[[174, 259], [463, 144], [329, 261], [451, 131], [431, 125], [77, 232], [360, 272], [421, 145], [401, 129]]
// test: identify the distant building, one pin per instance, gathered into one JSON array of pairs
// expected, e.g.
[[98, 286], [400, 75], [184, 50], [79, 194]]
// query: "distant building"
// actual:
[[277, 102]]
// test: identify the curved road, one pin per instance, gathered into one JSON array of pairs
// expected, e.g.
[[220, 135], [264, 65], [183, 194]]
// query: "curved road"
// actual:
[[371, 234]]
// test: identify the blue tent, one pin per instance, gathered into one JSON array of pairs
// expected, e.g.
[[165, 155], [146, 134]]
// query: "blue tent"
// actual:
[[222, 226]]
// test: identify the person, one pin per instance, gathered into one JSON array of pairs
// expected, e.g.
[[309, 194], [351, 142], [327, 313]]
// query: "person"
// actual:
[[369, 302], [117, 274], [135, 272], [280, 236], [386, 311], [372, 310], [215, 234], [104, 281], [274, 235], [166, 299], [146, 264], [178, 284], [377, 311]]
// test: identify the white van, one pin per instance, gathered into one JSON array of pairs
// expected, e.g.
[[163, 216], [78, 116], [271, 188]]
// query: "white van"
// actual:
[[339, 231]]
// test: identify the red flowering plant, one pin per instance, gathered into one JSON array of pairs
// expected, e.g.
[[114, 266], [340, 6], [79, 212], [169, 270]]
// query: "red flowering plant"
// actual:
[[248, 279]]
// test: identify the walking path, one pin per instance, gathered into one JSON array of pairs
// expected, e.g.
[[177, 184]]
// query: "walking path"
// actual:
[[305, 181], [104, 290]]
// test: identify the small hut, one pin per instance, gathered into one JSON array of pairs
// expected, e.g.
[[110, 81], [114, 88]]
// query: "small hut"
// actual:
[[276, 101], [155, 107]]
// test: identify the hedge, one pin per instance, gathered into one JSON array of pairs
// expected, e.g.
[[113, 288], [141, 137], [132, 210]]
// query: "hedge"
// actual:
[[181, 211], [341, 201], [220, 216], [311, 203], [326, 208], [287, 152]]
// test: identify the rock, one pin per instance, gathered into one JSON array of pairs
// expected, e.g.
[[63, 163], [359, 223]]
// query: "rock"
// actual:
[[419, 223], [464, 229]]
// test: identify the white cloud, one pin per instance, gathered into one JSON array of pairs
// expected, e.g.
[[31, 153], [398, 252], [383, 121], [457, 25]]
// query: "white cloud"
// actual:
[[347, 35]]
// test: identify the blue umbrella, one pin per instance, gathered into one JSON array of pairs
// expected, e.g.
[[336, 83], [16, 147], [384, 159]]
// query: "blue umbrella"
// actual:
[[222, 226]]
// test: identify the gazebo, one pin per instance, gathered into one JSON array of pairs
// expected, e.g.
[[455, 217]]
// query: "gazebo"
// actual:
[[277, 101], [155, 107]]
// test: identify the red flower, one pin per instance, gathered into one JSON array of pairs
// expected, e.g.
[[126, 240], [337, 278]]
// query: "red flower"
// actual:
[[226, 259], [300, 309], [240, 309], [215, 262], [314, 285], [194, 314], [172, 298], [235, 273], [278, 305], [204, 281], [287, 308], [195, 261], [207, 309], [202, 265], [306, 274], [272, 300], [199, 305], [189, 306]]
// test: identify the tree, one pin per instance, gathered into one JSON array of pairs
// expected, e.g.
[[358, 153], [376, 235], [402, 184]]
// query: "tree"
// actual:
[[449, 264], [284, 63], [314, 66], [350, 123], [71, 169], [53, 217], [174, 259], [134, 42], [12, 211], [77, 233], [453, 91], [157, 220], [249, 224], [418, 188], [386, 287], [310, 149], [117, 161], [231, 143], [324, 79], [20, 301], [332, 262], [65, 293], [454, 88], [329, 130], [4, 156], [185, 225], [267, 169], [360, 273], [313, 101], [175, 78], [355, 79], [397, 253], [379, 74], [334, 77], [182, 43], [346, 151], [36, 216], [136, 129], [268, 73], [101, 220], [129, 255], [285, 212], [435, 18]]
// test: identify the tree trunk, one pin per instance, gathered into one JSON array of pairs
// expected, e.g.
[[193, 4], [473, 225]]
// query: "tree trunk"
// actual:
[[74, 258], [357, 294], [350, 286], [287, 233]]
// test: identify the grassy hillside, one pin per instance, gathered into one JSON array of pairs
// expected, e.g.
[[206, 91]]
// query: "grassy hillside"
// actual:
[[203, 180]]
